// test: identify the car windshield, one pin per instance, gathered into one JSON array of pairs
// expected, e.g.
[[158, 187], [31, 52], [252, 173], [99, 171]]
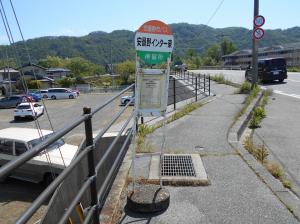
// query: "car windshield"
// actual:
[[54, 145]]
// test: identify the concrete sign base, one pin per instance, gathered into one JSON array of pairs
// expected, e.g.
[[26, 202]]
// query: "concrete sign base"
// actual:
[[148, 199]]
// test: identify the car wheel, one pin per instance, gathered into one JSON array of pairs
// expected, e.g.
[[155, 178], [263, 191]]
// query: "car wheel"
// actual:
[[71, 97], [280, 80], [126, 102], [53, 97], [16, 118]]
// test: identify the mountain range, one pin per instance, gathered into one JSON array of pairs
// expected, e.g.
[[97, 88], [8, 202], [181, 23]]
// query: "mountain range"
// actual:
[[101, 47]]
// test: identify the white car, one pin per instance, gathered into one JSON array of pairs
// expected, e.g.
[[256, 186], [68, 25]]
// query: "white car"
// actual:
[[15, 141], [32, 110], [61, 93], [126, 99]]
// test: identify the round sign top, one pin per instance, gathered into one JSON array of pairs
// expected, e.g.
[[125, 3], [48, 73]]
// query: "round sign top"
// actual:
[[258, 33], [155, 27], [259, 21]]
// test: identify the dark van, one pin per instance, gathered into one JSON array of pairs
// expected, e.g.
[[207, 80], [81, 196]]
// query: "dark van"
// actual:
[[269, 69]]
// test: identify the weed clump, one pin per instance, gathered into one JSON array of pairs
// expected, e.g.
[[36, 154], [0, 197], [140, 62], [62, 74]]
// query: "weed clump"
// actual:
[[261, 153], [245, 88]]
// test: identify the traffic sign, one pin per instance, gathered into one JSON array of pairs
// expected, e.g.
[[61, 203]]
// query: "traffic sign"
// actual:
[[258, 33], [259, 21], [154, 36]]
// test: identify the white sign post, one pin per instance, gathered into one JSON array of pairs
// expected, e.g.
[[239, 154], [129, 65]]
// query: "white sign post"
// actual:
[[154, 43]]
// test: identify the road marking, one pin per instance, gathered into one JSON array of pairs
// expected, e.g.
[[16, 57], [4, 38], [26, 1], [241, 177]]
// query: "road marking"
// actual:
[[287, 94], [282, 93], [293, 80]]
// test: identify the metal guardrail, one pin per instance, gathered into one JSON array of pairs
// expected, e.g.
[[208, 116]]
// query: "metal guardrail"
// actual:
[[198, 84], [97, 197]]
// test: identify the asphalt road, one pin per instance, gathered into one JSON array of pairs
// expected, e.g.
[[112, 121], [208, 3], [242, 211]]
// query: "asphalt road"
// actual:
[[290, 87]]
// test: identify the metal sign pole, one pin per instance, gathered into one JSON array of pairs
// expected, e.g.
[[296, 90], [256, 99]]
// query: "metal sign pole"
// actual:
[[164, 128]]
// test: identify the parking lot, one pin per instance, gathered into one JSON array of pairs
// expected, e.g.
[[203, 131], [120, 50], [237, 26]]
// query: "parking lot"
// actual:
[[15, 195]]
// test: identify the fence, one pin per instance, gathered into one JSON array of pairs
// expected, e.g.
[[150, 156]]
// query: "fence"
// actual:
[[184, 85], [99, 175]]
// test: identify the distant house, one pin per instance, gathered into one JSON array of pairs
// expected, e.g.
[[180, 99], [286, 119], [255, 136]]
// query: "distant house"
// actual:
[[57, 73], [8, 74], [291, 52], [33, 71]]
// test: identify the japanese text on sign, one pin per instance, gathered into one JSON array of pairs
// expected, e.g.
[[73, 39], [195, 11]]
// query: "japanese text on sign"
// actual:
[[154, 42]]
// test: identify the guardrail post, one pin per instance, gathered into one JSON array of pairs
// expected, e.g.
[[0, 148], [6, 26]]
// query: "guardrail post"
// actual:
[[174, 93], [209, 85], [204, 83], [91, 163], [142, 120], [196, 89]]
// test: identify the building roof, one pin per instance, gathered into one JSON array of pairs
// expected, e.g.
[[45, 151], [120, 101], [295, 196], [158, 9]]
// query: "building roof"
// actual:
[[6, 70], [32, 64], [273, 48], [22, 134], [58, 70]]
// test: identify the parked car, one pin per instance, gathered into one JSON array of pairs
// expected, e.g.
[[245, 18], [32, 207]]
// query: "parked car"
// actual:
[[32, 110], [42, 93], [182, 67], [269, 69], [76, 91], [12, 101], [35, 97], [61, 93], [126, 99], [15, 141]]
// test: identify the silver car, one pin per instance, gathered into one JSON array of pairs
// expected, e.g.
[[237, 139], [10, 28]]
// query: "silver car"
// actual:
[[15, 141]]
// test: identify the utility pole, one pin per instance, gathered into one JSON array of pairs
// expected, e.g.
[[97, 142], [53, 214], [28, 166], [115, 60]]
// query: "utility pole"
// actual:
[[254, 47]]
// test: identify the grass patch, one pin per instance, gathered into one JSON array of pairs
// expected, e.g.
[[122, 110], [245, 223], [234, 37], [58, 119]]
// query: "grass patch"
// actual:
[[220, 79], [294, 69], [245, 88], [261, 153], [145, 130]]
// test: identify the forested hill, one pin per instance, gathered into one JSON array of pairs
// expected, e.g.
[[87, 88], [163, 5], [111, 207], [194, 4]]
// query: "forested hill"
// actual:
[[100, 47]]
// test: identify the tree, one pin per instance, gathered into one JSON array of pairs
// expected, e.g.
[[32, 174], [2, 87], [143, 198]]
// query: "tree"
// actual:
[[66, 82], [34, 84], [125, 69], [52, 62], [227, 47]]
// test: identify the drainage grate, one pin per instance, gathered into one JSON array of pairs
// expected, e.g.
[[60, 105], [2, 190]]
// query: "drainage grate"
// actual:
[[178, 165]]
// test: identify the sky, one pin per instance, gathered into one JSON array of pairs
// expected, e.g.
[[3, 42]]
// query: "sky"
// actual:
[[39, 18]]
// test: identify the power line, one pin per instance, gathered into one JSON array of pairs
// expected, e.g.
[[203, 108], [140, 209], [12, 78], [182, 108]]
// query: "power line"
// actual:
[[215, 12]]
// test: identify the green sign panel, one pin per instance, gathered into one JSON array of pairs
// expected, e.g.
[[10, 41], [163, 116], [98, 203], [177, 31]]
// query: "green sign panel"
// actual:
[[153, 58]]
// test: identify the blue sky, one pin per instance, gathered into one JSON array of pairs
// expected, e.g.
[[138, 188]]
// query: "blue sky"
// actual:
[[78, 17]]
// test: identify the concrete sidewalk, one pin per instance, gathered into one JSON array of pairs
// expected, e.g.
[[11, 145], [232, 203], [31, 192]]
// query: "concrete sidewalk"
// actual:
[[235, 194]]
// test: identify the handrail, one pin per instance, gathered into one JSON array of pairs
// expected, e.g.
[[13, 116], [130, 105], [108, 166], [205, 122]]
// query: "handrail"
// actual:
[[52, 187]]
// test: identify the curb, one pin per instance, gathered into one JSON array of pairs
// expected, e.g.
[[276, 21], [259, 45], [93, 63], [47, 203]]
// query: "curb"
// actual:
[[287, 198], [240, 125]]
